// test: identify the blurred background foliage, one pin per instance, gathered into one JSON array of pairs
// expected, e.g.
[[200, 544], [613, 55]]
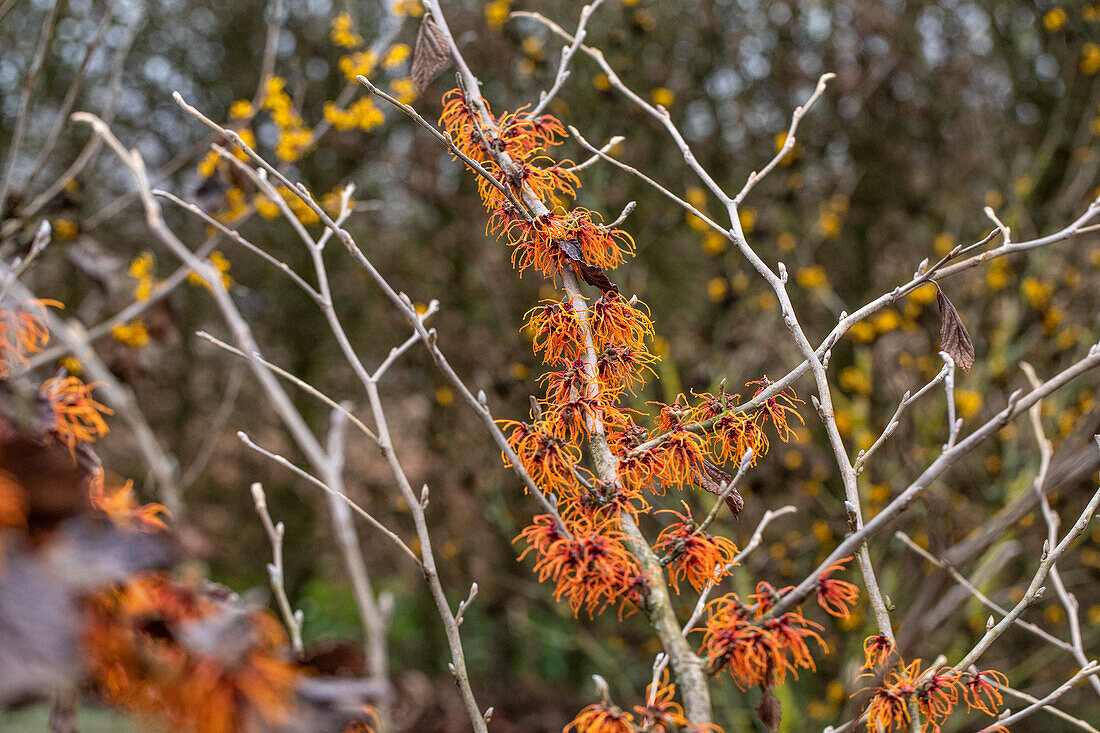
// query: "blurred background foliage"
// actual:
[[938, 109]]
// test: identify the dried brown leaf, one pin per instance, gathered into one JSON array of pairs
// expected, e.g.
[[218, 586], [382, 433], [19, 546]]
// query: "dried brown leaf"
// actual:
[[769, 711], [954, 340], [714, 480], [430, 54]]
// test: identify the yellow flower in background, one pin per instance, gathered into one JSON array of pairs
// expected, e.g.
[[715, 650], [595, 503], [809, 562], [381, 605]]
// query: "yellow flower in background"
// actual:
[[407, 8], [601, 82], [533, 48], [968, 402], [923, 295], [1054, 19], [133, 333], [265, 207], [360, 63], [444, 396], [862, 331], [944, 243], [404, 90], [716, 289], [697, 197], [747, 218], [64, 230], [292, 143], [1090, 58], [663, 96], [342, 34], [141, 269], [853, 380], [1037, 293], [786, 242], [829, 225], [396, 55], [714, 243], [811, 278], [71, 364], [208, 165], [886, 321], [219, 261], [496, 13], [242, 109]]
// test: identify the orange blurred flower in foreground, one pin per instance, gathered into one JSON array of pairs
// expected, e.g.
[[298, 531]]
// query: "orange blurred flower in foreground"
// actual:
[[22, 332], [78, 417], [159, 647], [122, 508]]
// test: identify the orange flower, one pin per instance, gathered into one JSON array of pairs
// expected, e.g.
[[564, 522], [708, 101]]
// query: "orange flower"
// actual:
[[736, 433], [592, 569], [693, 556], [937, 696], [836, 595], [549, 460], [621, 369], [778, 408], [120, 506], [679, 459], [23, 332], [615, 321], [791, 632], [601, 717], [153, 648], [661, 713], [457, 119], [751, 654], [980, 690], [556, 331], [77, 417], [535, 242], [887, 711], [571, 419], [602, 246], [876, 650]]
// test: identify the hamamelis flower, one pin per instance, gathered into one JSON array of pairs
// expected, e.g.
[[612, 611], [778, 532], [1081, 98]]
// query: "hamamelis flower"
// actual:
[[791, 632], [22, 332], [457, 119], [621, 369], [735, 433], [777, 409], [661, 713], [696, 557], [980, 690], [937, 696], [876, 650], [679, 459], [602, 246], [122, 508], [572, 420], [748, 652], [535, 243], [601, 717], [556, 331], [591, 570], [77, 417], [548, 459], [160, 647], [524, 135], [613, 320], [836, 595]]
